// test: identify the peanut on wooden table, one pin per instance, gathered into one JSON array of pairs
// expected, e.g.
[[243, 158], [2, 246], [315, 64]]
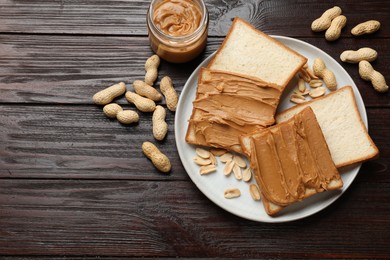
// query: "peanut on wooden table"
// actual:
[[145, 90], [324, 22], [357, 56], [160, 127], [171, 97], [141, 103], [151, 66], [159, 160], [106, 95], [366, 28]]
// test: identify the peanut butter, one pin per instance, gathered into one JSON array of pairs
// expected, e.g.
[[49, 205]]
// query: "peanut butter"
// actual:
[[291, 160], [177, 29], [177, 17], [229, 105]]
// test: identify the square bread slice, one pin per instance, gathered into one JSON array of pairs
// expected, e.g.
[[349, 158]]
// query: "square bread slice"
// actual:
[[229, 105], [251, 52], [342, 126], [291, 161]]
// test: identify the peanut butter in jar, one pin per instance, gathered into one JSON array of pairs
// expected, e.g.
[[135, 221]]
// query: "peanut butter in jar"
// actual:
[[177, 29]]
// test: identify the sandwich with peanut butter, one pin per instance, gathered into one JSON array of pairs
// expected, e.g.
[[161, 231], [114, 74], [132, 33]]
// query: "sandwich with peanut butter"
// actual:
[[228, 106], [241, 88], [291, 161], [340, 121]]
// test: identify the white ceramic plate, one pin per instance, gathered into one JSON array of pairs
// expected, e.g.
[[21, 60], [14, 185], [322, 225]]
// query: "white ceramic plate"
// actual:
[[214, 185]]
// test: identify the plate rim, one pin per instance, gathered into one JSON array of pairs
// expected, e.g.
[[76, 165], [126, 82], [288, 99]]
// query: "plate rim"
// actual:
[[276, 219]]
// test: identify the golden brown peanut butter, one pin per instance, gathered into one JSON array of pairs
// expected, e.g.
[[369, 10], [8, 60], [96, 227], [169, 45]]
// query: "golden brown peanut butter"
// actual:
[[177, 17], [229, 105], [291, 160]]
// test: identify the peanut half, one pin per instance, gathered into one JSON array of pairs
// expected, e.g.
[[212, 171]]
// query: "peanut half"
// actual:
[[247, 175], [227, 170], [237, 171], [207, 169], [301, 85], [159, 160], [297, 100], [232, 193], [202, 153], [254, 191], [106, 95], [201, 161], [315, 83], [368, 73], [226, 157], [366, 28], [324, 22], [317, 92]]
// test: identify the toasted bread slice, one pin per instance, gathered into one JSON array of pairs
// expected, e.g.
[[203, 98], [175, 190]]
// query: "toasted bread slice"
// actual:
[[342, 126], [248, 51], [291, 161]]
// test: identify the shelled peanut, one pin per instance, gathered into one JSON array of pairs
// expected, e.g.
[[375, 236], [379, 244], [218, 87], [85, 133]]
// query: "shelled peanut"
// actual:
[[206, 161], [314, 88], [233, 163]]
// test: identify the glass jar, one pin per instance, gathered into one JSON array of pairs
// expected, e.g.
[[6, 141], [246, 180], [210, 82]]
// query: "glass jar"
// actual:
[[182, 48]]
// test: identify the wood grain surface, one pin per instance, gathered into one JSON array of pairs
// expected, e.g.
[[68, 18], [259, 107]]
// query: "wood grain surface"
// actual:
[[75, 184]]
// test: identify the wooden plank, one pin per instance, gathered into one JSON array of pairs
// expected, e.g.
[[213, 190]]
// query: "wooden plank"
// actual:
[[119, 17], [80, 142], [70, 69], [156, 219]]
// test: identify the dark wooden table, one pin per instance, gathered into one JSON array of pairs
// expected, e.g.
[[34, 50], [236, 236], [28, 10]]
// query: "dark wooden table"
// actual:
[[75, 183]]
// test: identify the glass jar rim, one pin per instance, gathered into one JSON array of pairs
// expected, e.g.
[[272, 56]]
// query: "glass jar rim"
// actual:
[[205, 18]]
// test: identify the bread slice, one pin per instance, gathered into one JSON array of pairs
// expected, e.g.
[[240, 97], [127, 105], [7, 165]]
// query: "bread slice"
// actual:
[[251, 52], [342, 126], [291, 161], [229, 105]]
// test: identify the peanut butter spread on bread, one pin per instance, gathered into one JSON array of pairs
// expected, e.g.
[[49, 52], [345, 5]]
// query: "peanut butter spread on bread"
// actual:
[[228, 106], [292, 161]]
